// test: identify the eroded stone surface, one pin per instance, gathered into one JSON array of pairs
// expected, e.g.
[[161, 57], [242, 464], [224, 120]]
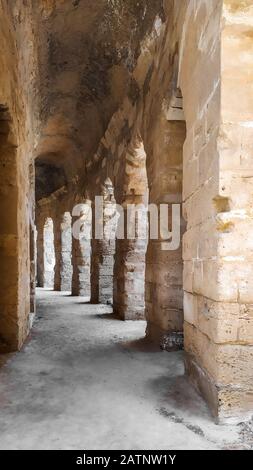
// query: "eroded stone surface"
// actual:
[[164, 114]]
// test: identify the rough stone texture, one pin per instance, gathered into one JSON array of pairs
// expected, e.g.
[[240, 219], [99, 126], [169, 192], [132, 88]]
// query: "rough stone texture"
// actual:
[[164, 268], [81, 253], [33, 264], [217, 274], [17, 85], [63, 253], [131, 244], [8, 236], [103, 250], [129, 274], [49, 254], [166, 114]]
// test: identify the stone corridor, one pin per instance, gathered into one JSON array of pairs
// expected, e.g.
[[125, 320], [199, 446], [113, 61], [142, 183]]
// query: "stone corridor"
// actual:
[[85, 380], [126, 177]]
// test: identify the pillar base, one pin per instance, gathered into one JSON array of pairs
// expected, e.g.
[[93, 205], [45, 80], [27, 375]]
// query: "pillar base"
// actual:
[[228, 404], [166, 340], [129, 314]]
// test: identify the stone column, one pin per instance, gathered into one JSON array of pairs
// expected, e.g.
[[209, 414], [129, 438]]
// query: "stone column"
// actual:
[[40, 253], [49, 254], [102, 271], [103, 251], [33, 264], [32, 239], [129, 274], [164, 266], [81, 249], [63, 253]]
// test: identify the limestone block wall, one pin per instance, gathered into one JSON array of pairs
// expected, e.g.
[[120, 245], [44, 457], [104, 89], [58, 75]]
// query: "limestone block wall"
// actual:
[[217, 203], [200, 55], [234, 355], [8, 236], [16, 146]]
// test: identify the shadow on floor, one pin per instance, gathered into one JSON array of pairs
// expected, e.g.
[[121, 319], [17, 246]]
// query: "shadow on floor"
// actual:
[[142, 345], [181, 396], [4, 358]]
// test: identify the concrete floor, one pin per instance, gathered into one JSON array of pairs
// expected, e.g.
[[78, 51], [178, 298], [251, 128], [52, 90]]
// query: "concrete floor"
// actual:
[[85, 380]]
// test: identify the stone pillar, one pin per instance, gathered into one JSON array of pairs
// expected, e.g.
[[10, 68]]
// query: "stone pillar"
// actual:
[[49, 254], [33, 264], [164, 267], [40, 253], [129, 274], [63, 253], [81, 249], [102, 271], [103, 251]]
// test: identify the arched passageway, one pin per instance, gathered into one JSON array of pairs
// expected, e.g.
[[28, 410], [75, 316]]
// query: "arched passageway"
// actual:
[[153, 116]]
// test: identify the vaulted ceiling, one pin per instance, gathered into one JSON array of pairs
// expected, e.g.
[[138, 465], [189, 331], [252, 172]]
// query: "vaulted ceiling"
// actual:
[[87, 51]]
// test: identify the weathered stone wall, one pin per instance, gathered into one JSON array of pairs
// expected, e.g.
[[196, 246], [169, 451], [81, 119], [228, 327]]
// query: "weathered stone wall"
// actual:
[[217, 307], [18, 134], [210, 173], [8, 234], [186, 102]]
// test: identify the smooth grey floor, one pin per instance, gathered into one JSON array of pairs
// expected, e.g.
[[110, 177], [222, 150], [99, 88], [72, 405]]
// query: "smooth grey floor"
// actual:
[[85, 380]]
